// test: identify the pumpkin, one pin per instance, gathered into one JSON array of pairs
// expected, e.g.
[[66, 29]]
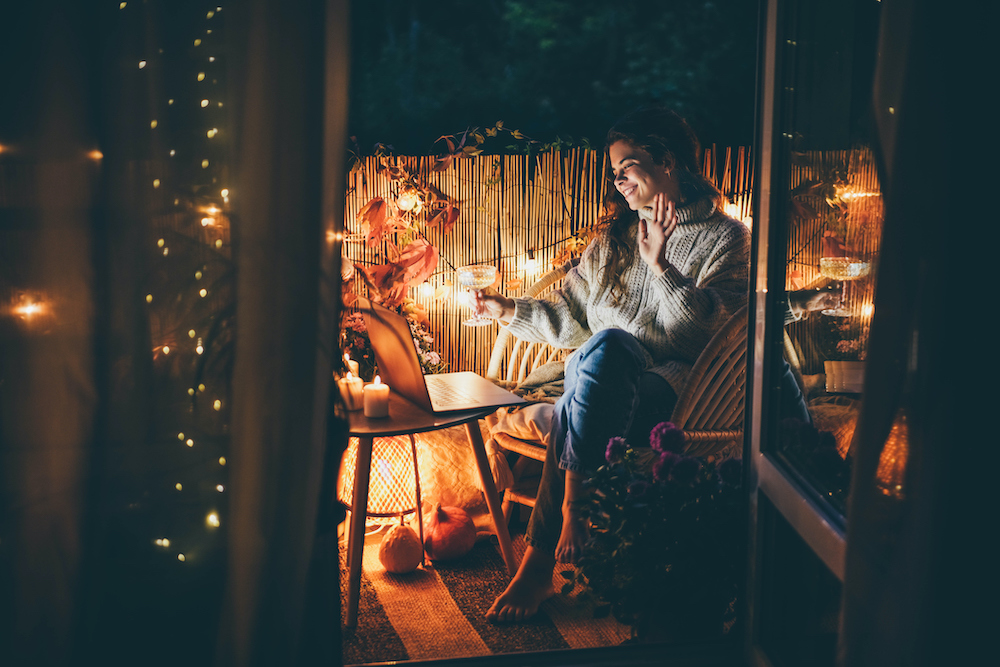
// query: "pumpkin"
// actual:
[[400, 551], [448, 533]]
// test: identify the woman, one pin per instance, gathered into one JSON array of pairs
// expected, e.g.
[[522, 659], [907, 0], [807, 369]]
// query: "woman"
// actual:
[[667, 271]]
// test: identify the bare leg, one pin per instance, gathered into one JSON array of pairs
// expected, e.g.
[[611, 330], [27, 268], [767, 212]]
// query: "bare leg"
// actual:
[[574, 531], [530, 587]]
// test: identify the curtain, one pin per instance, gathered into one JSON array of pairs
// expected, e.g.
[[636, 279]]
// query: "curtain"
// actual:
[[95, 474], [911, 572]]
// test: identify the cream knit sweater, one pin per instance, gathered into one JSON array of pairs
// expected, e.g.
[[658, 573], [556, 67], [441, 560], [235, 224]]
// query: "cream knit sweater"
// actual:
[[673, 315]]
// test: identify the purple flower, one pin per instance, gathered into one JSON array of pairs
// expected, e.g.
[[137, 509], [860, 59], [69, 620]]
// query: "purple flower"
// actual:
[[616, 450], [665, 437], [685, 470], [731, 472], [663, 465]]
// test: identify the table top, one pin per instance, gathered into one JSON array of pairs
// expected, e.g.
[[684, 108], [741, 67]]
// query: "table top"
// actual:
[[406, 417]]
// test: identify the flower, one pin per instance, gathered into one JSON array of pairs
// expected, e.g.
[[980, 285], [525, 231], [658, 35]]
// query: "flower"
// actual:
[[665, 437], [663, 465], [615, 450], [685, 470]]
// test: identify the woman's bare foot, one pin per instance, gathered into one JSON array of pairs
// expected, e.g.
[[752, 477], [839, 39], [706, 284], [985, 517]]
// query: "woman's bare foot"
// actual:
[[572, 537], [575, 531], [530, 587]]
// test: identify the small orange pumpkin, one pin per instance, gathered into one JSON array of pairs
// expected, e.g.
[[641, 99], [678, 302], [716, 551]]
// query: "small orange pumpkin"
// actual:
[[448, 533]]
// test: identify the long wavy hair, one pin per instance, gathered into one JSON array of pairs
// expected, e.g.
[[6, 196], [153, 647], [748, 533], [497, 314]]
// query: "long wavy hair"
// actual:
[[671, 143]]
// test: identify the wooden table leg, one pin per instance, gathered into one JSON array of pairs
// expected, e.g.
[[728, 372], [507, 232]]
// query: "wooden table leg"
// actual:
[[356, 538], [492, 497]]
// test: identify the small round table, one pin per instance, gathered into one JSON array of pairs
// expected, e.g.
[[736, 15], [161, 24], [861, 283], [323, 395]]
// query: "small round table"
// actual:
[[405, 418]]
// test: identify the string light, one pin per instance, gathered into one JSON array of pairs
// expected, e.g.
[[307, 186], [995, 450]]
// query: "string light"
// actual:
[[142, 64], [212, 520], [217, 405], [204, 103], [153, 124], [179, 486], [222, 460], [220, 488], [189, 442], [181, 557], [203, 292], [201, 76], [191, 333], [149, 298]]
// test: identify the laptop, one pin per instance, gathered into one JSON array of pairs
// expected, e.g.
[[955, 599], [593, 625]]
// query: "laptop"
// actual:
[[399, 367]]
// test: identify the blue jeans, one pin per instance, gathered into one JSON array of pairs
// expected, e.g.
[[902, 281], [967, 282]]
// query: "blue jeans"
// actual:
[[608, 392]]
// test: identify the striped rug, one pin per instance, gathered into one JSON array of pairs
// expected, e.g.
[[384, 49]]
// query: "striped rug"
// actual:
[[438, 612]]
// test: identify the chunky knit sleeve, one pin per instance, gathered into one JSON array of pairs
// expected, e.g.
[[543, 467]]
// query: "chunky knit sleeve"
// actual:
[[561, 319]]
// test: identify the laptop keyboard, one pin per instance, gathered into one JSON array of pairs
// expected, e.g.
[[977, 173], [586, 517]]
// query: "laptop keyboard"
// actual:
[[443, 394]]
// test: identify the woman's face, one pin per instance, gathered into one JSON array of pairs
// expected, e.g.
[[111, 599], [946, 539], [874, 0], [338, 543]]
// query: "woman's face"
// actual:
[[637, 178]]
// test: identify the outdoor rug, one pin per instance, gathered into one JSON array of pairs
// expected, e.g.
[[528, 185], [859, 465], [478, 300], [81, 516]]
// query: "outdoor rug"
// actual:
[[438, 612]]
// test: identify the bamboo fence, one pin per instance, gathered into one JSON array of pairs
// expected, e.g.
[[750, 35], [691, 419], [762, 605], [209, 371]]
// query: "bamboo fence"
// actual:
[[512, 207]]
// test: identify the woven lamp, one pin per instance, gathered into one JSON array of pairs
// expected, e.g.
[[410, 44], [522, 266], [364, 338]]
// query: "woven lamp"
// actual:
[[394, 482]]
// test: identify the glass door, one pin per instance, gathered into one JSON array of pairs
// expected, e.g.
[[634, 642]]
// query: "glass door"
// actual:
[[819, 224]]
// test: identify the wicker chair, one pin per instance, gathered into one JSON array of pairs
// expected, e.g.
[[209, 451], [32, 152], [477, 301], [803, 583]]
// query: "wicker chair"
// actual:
[[710, 410]]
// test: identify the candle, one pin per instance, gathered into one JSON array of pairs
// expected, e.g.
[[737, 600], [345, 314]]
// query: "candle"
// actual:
[[352, 366], [351, 389], [377, 399]]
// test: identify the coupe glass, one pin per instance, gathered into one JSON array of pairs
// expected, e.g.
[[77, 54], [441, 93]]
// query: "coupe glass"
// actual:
[[476, 277], [844, 270]]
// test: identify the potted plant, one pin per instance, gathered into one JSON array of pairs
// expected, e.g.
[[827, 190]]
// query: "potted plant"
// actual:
[[667, 539]]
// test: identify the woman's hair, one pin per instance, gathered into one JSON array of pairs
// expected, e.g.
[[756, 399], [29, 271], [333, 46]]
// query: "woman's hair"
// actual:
[[671, 142]]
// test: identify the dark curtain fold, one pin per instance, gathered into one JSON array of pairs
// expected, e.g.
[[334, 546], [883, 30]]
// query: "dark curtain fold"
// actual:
[[912, 568], [286, 329], [80, 582]]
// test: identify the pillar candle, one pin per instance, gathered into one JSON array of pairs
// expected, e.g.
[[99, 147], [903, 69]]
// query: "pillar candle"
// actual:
[[377, 399], [352, 366], [351, 388]]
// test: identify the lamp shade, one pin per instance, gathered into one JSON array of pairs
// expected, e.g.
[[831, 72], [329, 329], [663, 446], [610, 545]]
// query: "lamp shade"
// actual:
[[392, 485]]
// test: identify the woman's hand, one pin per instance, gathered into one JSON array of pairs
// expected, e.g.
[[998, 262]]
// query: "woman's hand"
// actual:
[[653, 234], [488, 303]]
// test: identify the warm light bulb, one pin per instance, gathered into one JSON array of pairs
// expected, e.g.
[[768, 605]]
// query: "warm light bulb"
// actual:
[[204, 164], [200, 349], [222, 460], [201, 387], [220, 488], [179, 486], [122, 5], [210, 13], [426, 290], [180, 436], [95, 155], [189, 442], [212, 520], [197, 275], [160, 242], [172, 152], [204, 103], [166, 251], [203, 292], [205, 222], [197, 42], [170, 102], [217, 405], [166, 349], [156, 182], [201, 76], [211, 59], [153, 124], [868, 310], [142, 64], [181, 558], [225, 192], [191, 391], [214, 131], [149, 298], [218, 243], [191, 333]]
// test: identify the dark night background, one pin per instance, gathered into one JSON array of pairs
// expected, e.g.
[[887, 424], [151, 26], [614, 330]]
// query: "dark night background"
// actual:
[[549, 68]]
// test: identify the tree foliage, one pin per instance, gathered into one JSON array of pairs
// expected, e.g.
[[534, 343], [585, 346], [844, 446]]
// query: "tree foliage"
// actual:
[[549, 67]]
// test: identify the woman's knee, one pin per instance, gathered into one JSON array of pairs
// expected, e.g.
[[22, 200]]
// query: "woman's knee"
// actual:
[[615, 346]]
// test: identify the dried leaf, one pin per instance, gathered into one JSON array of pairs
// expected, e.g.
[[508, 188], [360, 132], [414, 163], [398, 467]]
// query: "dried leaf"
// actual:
[[444, 218], [417, 262], [443, 162], [515, 284], [373, 213], [385, 284]]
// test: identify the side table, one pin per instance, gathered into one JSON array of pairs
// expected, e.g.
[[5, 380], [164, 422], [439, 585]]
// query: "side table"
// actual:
[[405, 418]]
